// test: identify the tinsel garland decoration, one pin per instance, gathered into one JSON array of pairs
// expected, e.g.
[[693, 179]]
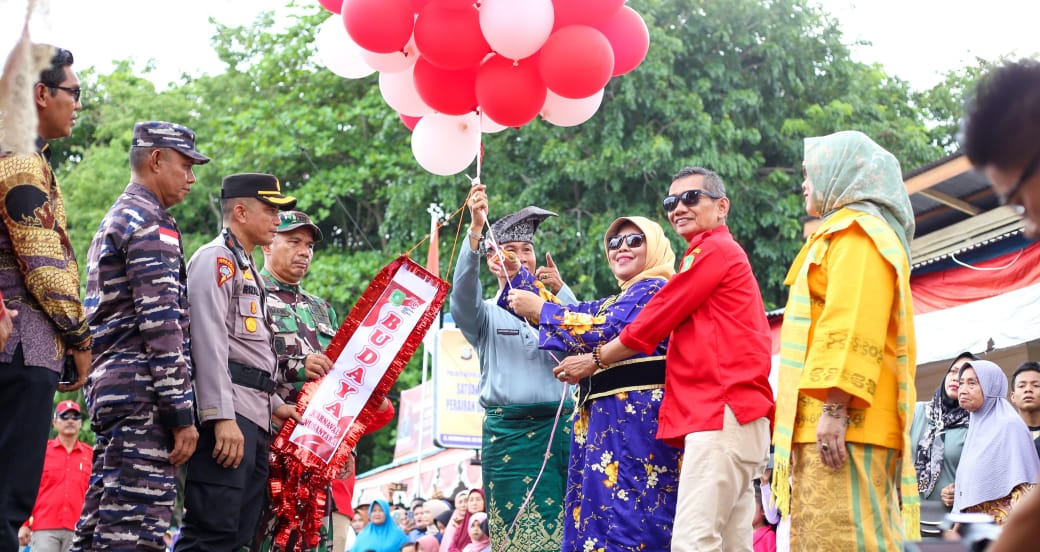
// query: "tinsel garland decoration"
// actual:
[[299, 478]]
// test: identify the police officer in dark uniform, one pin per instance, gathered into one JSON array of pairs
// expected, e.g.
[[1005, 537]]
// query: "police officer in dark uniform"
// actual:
[[235, 370]]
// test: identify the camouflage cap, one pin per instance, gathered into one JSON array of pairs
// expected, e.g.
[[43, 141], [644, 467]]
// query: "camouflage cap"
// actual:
[[291, 220], [264, 187], [161, 134]]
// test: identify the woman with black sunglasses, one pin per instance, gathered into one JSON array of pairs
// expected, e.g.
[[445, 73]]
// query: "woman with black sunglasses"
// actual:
[[622, 481]]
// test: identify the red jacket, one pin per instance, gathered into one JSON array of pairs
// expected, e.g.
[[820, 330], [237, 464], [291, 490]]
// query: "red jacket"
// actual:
[[719, 349], [63, 486]]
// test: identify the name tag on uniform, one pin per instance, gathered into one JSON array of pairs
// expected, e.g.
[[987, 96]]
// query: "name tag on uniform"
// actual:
[[507, 332]]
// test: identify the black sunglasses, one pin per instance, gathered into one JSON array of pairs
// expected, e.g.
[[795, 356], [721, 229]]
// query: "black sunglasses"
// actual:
[[631, 240], [70, 416], [689, 198], [1028, 173], [74, 91]]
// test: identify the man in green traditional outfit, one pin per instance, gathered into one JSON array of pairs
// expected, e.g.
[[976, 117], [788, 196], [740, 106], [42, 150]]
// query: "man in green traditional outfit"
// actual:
[[518, 391]]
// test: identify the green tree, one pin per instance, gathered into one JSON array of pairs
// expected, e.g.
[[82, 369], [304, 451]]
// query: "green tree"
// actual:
[[733, 85], [943, 104]]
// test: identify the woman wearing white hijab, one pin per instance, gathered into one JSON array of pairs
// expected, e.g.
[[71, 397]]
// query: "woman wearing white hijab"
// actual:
[[999, 464]]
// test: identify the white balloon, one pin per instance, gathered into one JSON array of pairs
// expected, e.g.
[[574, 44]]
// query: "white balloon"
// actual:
[[446, 144], [567, 112], [488, 125], [514, 29], [394, 61], [398, 90], [338, 52]]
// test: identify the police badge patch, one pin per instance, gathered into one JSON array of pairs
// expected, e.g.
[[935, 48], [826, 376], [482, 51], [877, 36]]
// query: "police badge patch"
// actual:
[[225, 270]]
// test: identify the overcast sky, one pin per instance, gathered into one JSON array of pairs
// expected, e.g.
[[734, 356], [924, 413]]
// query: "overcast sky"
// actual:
[[917, 40]]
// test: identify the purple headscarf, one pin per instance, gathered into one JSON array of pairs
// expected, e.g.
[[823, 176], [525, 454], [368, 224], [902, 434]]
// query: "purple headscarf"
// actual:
[[999, 453]]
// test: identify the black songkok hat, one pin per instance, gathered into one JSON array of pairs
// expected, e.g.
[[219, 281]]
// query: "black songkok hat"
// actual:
[[521, 225]]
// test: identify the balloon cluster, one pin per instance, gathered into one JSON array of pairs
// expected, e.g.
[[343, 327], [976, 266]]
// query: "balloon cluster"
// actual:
[[453, 69]]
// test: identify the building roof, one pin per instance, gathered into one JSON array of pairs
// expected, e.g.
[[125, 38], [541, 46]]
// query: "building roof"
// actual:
[[947, 191], [956, 211], [957, 214]]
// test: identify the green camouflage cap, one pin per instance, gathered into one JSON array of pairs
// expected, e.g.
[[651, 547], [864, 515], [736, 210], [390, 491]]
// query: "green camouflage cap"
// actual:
[[291, 220]]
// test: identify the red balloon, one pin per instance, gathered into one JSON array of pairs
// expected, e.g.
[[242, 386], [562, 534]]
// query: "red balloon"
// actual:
[[583, 12], [449, 92], [454, 4], [333, 6], [450, 38], [629, 38], [409, 121], [576, 61], [510, 94], [418, 5], [381, 26]]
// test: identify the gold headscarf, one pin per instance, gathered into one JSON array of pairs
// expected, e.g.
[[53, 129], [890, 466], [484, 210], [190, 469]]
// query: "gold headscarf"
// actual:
[[660, 259]]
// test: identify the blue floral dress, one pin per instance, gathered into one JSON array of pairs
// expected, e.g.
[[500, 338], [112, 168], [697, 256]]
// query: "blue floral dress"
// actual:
[[622, 481]]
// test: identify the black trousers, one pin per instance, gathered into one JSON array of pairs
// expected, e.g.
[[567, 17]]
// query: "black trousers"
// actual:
[[222, 506], [26, 401]]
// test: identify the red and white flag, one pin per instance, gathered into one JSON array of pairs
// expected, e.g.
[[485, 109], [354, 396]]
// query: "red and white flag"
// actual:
[[169, 236]]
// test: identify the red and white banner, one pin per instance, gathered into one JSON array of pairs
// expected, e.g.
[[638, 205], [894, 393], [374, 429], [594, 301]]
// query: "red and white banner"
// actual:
[[369, 351], [362, 364], [954, 287]]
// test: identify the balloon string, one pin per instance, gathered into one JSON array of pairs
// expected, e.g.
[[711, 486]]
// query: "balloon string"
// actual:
[[442, 224], [498, 252], [563, 398], [480, 152], [545, 458], [491, 232], [458, 227]]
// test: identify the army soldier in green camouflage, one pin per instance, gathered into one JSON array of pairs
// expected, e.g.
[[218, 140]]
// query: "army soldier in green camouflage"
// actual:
[[304, 324], [139, 392]]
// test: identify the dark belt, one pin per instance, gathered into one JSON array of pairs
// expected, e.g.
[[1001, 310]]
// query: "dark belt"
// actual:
[[639, 373], [253, 378]]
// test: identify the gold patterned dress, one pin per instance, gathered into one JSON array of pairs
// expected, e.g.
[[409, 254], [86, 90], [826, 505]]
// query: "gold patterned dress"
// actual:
[[1001, 507]]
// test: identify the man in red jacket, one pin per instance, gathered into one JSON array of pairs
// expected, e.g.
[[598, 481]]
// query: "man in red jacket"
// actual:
[[718, 403], [66, 474]]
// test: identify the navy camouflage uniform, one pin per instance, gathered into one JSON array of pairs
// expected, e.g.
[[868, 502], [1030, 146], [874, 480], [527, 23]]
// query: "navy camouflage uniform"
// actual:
[[139, 389], [235, 367], [140, 386]]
